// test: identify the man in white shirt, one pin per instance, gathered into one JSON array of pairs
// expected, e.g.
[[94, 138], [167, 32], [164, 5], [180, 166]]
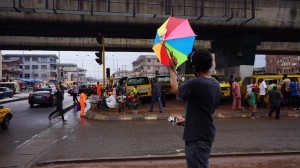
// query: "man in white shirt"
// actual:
[[263, 89], [111, 101], [286, 92]]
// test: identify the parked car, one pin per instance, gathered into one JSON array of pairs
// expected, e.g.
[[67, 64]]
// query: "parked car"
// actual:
[[6, 92], [42, 96], [5, 116]]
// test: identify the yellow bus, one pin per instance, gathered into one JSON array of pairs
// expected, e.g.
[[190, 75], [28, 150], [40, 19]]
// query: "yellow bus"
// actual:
[[164, 81], [143, 85], [224, 84], [69, 84], [269, 79]]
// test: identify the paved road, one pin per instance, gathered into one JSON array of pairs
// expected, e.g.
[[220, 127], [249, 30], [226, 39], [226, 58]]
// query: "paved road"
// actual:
[[26, 123], [88, 139], [82, 139]]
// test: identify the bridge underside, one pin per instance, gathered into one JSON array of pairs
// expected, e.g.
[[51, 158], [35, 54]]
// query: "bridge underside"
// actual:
[[123, 30], [121, 44], [131, 25]]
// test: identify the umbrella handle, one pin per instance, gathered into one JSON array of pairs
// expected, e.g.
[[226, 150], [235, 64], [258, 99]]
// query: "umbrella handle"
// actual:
[[162, 43], [172, 56]]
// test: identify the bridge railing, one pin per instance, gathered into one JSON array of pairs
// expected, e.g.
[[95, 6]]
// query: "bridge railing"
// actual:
[[193, 9]]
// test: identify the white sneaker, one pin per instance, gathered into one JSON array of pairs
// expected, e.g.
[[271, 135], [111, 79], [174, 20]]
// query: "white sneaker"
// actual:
[[294, 109], [252, 117]]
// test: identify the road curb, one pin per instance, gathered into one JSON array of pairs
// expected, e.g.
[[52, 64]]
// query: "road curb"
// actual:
[[103, 116], [13, 100], [161, 157]]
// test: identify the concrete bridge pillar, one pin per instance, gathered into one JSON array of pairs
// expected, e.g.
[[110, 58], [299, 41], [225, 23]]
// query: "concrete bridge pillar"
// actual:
[[235, 55]]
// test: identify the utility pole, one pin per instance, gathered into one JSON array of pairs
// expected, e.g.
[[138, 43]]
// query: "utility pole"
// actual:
[[103, 59]]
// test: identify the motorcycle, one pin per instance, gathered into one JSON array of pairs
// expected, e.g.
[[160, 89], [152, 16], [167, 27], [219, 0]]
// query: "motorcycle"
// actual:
[[121, 102], [133, 101]]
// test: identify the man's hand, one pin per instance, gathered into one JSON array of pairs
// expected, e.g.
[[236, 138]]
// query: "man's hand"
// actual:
[[180, 120], [173, 62]]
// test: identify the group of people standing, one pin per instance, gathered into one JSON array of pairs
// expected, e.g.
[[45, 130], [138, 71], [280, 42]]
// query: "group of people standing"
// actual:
[[290, 92], [289, 95]]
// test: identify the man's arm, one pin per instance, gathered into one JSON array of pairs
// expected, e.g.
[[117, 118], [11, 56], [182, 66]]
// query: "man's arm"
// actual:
[[173, 76]]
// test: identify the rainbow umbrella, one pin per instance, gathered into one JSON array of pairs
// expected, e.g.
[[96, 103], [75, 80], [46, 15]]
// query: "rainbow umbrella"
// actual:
[[177, 36]]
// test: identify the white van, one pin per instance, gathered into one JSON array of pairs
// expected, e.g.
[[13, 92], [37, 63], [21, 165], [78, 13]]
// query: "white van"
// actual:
[[14, 86]]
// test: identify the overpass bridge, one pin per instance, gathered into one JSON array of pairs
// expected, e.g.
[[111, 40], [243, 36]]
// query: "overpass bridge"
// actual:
[[233, 29]]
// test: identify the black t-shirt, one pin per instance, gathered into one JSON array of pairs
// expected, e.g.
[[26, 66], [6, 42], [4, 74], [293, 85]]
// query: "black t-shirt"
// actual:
[[202, 95], [274, 98]]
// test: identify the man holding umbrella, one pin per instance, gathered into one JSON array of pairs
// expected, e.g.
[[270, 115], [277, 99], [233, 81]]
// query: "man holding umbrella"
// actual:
[[201, 96]]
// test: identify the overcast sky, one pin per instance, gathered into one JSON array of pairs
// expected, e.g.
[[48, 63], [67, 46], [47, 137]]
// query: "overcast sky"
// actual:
[[114, 60], [121, 60]]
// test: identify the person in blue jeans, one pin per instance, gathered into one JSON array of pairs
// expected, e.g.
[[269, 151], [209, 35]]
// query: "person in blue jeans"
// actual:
[[294, 86], [202, 96], [156, 95]]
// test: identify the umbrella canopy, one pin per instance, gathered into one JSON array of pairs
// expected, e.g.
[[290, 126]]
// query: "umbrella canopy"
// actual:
[[177, 36]]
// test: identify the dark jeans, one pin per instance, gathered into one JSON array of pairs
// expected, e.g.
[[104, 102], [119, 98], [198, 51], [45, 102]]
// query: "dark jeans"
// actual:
[[287, 98], [58, 109], [75, 100], [163, 98], [154, 98], [274, 108], [262, 103], [295, 101], [197, 154]]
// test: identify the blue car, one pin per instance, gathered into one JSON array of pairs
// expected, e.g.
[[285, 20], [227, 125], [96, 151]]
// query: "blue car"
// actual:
[[6, 92]]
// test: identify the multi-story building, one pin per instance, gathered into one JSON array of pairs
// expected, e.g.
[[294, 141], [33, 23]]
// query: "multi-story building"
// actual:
[[282, 64], [11, 69], [67, 71], [70, 72], [125, 73], [36, 66], [148, 65], [81, 75]]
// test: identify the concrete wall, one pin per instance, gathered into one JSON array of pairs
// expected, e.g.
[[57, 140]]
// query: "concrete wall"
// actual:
[[237, 71]]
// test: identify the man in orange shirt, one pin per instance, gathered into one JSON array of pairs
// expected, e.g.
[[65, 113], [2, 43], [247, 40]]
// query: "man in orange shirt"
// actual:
[[99, 90], [82, 102]]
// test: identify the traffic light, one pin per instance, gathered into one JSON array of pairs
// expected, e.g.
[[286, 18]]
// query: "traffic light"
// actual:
[[99, 38], [99, 55], [107, 72], [99, 59], [156, 72]]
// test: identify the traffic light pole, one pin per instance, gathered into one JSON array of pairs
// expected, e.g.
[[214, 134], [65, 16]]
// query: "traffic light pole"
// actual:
[[103, 61]]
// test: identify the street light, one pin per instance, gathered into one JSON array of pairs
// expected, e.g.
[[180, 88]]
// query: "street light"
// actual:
[[94, 71], [113, 63], [82, 59], [117, 63]]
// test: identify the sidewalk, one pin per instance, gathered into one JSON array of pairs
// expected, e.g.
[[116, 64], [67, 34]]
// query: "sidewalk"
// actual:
[[16, 97], [176, 107]]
